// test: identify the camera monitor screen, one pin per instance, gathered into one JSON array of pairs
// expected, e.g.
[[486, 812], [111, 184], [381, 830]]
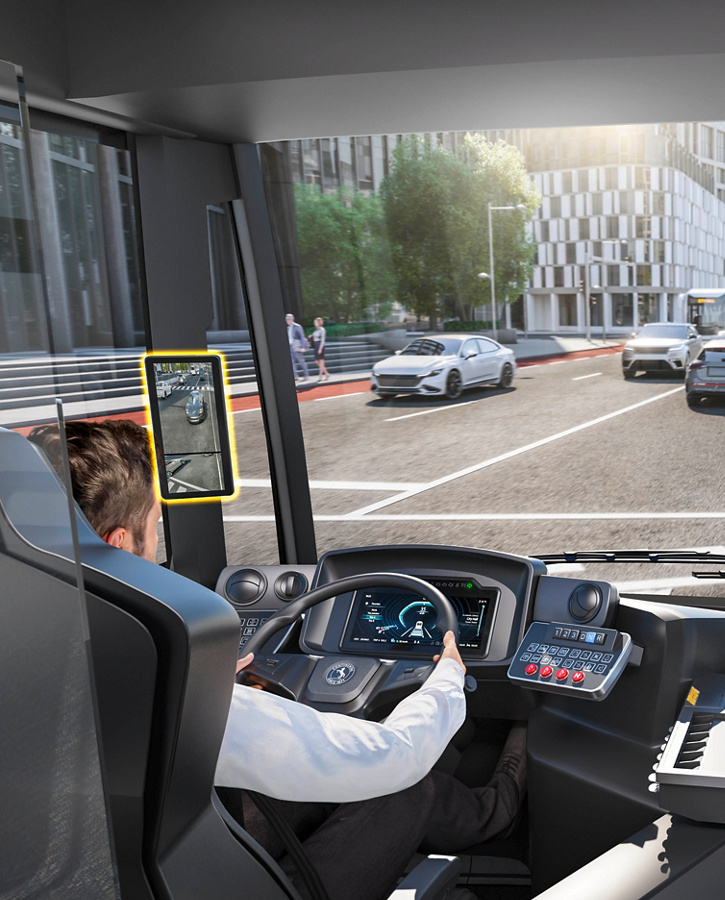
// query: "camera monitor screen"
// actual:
[[189, 418]]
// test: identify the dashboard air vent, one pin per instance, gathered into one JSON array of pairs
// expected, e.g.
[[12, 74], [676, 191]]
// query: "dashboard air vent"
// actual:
[[245, 587]]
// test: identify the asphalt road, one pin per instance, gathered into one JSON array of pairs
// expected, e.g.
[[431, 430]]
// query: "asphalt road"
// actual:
[[191, 450], [572, 457]]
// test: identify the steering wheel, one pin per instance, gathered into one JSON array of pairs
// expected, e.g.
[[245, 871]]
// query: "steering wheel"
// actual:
[[338, 679]]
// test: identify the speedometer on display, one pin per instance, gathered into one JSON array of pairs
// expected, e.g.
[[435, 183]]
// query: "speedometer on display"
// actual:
[[403, 619]]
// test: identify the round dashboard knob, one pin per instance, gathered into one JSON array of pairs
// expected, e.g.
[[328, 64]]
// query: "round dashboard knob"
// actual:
[[290, 585], [584, 602]]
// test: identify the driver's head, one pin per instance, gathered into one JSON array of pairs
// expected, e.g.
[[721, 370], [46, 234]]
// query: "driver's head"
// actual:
[[112, 476]]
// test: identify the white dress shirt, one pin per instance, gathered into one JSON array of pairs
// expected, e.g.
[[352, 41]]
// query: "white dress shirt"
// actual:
[[293, 752]]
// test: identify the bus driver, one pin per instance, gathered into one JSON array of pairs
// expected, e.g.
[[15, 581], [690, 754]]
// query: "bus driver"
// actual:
[[361, 796]]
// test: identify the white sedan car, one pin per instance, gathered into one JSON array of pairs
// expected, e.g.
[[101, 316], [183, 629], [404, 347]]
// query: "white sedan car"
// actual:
[[444, 365]]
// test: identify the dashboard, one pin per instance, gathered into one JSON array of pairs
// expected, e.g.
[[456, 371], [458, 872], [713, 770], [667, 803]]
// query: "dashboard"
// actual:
[[491, 592]]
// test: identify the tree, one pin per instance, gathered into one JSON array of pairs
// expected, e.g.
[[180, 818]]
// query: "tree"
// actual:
[[345, 267], [436, 209], [500, 172]]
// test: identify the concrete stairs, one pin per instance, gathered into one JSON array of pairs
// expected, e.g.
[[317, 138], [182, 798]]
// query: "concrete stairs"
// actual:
[[112, 379]]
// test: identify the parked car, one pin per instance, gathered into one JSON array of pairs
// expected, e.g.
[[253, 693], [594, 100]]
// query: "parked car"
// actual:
[[195, 408], [661, 347], [444, 365], [706, 377]]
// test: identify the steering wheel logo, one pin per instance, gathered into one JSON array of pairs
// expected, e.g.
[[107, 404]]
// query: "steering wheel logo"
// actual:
[[340, 673]]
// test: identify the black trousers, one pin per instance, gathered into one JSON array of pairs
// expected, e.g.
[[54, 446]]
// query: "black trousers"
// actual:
[[360, 849]]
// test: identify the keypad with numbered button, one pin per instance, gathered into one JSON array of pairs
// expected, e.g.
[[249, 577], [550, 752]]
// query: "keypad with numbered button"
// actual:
[[589, 673], [250, 624]]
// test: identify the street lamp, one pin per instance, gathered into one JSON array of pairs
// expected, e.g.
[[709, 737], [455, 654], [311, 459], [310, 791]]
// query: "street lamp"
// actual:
[[490, 256]]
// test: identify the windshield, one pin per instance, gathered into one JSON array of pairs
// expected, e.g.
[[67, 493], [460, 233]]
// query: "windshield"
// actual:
[[679, 332], [444, 347], [567, 449]]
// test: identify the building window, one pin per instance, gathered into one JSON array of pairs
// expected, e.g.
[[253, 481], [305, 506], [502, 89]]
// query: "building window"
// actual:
[[622, 311], [613, 275], [643, 226], [311, 161], [642, 178], [611, 178], [648, 308], [329, 162], [364, 156], [567, 310], [596, 309], [658, 251]]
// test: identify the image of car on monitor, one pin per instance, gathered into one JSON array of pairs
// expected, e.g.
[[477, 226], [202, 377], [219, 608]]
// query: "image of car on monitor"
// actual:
[[195, 408]]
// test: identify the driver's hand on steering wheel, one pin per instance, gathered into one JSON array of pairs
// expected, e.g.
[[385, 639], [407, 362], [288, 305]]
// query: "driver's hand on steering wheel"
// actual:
[[450, 651], [247, 661]]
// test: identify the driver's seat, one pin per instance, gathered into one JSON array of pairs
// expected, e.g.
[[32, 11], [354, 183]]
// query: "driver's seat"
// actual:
[[114, 705]]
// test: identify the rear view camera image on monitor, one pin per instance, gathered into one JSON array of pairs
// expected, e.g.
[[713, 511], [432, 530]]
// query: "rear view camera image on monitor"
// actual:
[[189, 419]]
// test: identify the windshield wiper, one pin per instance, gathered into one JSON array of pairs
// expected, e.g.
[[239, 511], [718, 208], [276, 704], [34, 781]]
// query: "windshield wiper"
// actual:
[[636, 556]]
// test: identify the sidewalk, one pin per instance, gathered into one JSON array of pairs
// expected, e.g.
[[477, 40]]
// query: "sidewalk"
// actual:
[[525, 350], [558, 345]]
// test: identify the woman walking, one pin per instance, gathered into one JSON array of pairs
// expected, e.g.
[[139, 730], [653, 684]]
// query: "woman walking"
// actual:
[[318, 343]]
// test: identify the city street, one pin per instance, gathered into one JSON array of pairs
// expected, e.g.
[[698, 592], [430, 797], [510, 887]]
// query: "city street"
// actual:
[[191, 449], [572, 457]]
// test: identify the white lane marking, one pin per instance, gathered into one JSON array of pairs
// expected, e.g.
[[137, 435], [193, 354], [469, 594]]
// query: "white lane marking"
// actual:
[[338, 485], [582, 377], [425, 412], [495, 517], [504, 456], [558, 362], [338, 396], [235, 412], [186, 484]]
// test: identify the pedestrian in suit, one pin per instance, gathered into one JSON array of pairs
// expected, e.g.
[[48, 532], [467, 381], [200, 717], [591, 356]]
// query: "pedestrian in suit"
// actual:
[[297, 343]]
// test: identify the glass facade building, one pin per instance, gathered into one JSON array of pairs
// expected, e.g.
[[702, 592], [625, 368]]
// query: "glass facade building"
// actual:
[[638, 210]]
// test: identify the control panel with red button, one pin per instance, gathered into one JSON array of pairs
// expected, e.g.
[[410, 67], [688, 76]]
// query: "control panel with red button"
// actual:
[[572, 660]]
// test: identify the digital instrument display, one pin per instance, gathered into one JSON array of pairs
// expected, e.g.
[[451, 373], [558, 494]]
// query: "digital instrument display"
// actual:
[[383, 619]]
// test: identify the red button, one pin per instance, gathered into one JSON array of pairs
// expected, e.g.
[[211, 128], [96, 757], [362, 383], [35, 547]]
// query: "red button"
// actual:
[[562, 674], [577, 677], [531, 669], [546, 671]]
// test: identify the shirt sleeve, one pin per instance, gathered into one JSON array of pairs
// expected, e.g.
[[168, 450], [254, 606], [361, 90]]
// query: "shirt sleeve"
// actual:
[[293, 752]]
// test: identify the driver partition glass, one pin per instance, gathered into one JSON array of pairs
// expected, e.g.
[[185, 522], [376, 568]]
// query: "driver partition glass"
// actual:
[[534, 239], [56, 841]]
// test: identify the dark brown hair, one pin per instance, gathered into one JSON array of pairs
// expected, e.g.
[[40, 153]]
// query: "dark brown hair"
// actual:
[[111, 470]]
